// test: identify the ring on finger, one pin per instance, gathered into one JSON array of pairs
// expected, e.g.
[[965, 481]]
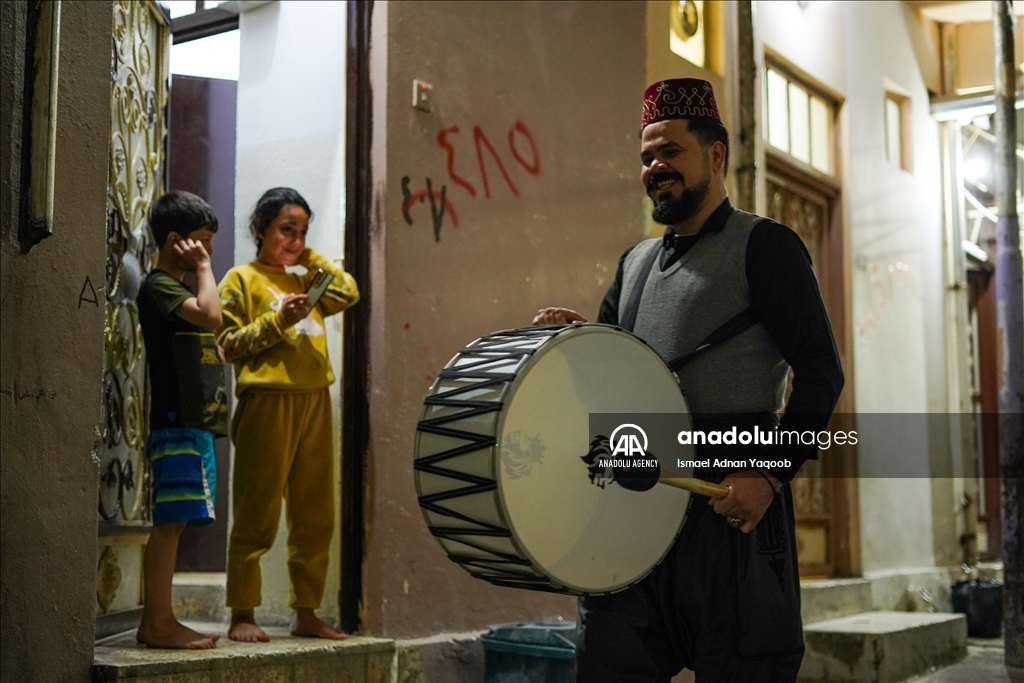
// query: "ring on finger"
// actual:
[[735, 522]]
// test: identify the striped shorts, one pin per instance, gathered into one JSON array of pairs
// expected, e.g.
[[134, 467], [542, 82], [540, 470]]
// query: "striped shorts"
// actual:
[[184, 467]]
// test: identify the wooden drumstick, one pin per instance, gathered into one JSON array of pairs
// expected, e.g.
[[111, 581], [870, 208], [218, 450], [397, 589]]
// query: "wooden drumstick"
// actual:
[[704, 488], [646, 477]]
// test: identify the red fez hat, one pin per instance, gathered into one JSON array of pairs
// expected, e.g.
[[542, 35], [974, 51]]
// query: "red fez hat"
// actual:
[[679, 98]]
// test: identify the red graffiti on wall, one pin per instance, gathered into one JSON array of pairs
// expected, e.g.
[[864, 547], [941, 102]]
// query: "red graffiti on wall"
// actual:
[[480, 142], [896, 278], [865, 328], [478, 138], [520, 127], [521, 145], [442, 139]]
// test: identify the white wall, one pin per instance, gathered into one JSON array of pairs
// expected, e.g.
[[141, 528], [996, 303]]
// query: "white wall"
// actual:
[[810, 37], [894, 221], [291, 132]]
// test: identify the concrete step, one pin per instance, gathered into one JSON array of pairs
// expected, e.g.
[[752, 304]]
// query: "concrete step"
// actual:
[[445, 657], [834, 598], [285, 659], [882, 647], [200, 596]]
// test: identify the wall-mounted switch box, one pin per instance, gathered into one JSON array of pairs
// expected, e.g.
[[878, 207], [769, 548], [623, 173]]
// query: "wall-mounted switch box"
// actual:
[[422, 95]]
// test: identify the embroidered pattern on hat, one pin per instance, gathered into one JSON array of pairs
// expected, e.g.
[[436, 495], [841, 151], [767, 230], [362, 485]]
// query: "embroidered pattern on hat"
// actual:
[[683, 98]]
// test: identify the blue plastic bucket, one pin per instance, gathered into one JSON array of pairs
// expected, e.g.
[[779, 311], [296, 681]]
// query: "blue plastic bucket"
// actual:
[[530, 653]]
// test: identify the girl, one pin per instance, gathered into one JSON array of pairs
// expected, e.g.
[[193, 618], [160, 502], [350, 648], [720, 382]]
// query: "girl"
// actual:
[[282, 424]]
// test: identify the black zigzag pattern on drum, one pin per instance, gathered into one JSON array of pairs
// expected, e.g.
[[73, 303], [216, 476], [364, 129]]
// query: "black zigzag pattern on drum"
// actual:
[[490, 351]]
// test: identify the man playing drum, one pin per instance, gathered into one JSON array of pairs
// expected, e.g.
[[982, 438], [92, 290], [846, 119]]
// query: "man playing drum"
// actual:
[[725, 601]]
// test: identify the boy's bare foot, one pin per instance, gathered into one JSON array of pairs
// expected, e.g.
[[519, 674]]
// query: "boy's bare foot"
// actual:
[[174, 635], [244, 629], [307, 624]]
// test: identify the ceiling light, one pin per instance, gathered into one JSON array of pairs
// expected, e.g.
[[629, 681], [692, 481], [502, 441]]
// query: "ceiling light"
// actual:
[[975, 170]]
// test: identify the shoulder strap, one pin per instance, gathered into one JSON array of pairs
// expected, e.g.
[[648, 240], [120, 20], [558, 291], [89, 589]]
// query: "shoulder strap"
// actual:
[[627, 314], [740, 322], [730, 328]]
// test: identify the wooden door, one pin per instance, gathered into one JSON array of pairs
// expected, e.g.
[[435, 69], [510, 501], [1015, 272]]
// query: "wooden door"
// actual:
[[201, 160], [985, 406], [824, 491]]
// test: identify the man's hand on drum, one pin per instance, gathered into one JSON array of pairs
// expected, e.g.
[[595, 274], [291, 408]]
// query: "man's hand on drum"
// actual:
[[557, 316], [752, 492]]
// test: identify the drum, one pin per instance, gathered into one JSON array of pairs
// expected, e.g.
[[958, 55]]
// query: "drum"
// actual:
[[499, 463]]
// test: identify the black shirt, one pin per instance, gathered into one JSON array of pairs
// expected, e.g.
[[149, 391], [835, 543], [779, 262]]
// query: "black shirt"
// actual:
[[160, 295], [784, 295]]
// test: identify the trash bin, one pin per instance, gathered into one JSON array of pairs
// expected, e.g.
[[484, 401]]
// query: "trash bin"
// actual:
[[530, 653], [982, 601]]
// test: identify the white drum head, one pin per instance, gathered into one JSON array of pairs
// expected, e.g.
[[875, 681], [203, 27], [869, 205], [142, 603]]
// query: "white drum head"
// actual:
[[584, 537]]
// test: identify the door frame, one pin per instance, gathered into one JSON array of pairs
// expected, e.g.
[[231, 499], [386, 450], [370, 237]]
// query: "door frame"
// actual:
[[355, 429], [841, 465]]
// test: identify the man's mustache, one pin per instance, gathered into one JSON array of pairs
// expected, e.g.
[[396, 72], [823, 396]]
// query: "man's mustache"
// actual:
[[661, 176]]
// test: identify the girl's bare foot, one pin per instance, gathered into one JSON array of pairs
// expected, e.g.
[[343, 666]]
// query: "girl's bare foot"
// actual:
[[171, 634], [244, 629], [307, 624]]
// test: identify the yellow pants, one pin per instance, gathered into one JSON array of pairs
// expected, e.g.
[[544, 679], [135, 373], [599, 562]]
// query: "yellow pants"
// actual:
[[284, 449]]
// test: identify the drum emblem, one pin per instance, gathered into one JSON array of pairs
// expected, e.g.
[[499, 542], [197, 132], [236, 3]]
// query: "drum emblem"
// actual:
[[520, 453], [600, 474]]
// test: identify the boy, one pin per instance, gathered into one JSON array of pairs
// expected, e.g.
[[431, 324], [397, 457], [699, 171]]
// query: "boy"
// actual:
[[188, 405]]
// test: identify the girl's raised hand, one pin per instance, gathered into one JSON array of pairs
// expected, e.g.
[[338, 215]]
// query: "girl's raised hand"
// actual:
[[294, 308]]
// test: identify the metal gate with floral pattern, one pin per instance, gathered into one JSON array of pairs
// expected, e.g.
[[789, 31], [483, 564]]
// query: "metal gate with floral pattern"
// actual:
[[139, 73]]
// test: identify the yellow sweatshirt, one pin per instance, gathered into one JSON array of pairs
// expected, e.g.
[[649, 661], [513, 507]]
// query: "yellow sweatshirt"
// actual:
[[266, 354]]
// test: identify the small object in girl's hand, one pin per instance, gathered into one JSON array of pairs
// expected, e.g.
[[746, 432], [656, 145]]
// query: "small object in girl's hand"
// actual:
[[318, 286]]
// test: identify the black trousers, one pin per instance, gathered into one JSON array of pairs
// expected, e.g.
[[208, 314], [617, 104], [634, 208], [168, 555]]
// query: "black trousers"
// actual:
[[722, 603]]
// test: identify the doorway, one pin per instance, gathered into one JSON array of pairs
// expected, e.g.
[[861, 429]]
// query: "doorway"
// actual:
[[281, 120], [985, 404], [972, 160], [803, 192], [824, 489]]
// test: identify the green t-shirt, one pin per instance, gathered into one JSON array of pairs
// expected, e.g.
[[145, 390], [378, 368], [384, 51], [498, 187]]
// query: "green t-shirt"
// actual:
[[161, 294]]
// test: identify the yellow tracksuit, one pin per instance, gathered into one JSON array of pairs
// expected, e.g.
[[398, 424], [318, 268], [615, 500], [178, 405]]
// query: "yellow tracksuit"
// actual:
[[281, 427]]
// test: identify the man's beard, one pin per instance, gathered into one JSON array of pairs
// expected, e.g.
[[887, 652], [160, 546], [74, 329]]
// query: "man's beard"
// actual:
[[674, 210]]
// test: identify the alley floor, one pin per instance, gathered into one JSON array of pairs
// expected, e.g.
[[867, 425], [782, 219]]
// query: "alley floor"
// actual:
[[983, 664], [359, 659]]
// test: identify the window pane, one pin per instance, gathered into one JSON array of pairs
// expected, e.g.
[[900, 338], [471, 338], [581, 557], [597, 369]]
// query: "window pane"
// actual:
[[892, 131], [820, 143], [778, 111], [799, 125]]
